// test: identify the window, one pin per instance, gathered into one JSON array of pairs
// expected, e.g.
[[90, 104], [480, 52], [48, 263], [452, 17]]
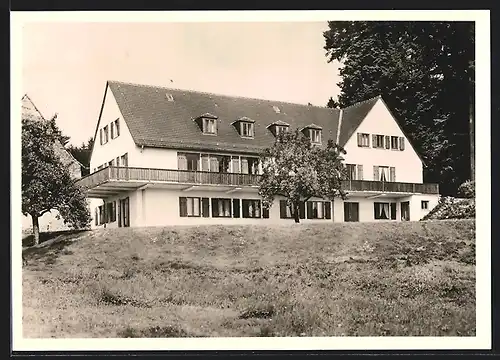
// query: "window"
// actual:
[[378, 141], [351, 171], [315, 136], [319, 210], [363, 140], [115, 129], [249, 165], [246, 129], [209, 126], [394, 143], [221, 207], [124, 160], [111, 162], [351, 211], [384, 211], [281, 129], [425, 204], [401, 143], [251, 208], [384, 173], [190, 206], [117, 161], [101, 215], [105, 134], [286, 211]]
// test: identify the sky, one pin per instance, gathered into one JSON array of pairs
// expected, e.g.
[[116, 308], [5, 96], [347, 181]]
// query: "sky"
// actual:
[[66, 64]]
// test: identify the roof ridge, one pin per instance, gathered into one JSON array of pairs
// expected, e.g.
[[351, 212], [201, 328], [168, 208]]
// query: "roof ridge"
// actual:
[[362, 102], [218, 94]]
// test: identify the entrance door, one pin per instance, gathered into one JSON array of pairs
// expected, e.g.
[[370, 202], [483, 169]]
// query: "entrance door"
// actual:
[[405, 211], [124, 216], [351, 211]]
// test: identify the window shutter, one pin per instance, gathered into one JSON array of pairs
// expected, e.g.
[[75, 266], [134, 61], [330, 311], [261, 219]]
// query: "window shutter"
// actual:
[[328, 210], [360, 172], [96, 217], [309, 209], [117, 126], [393, 211], [182, 162], [375, 173], [112, 130], [359, 139], [236, 208], [282, 209], [100, 135], [392, 174], [182, 206], [302, 210], [205, 207], [215, 209], [118, 213], [387, 142], [244, 208], [374, 140], [401, 143]]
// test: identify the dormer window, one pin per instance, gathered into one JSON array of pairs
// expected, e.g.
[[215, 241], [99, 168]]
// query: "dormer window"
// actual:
[[209, 126], [278, 127], [246, 129], [207, 123], [313, 132], [315, 136]]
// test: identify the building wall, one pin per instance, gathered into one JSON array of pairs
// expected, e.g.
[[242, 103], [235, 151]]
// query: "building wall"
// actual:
[[102, 154], [160, 207], [380, 121]]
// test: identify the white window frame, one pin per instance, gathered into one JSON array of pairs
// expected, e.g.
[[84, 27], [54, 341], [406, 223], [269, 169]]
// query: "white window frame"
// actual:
[[247, 129], [208, 124], [312, 136]]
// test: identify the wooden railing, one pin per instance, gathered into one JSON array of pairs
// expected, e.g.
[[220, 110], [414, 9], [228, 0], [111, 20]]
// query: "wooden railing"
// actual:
[[113, 173]]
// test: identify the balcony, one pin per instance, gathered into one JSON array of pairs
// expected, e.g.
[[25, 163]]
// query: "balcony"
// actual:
[[113, 180]]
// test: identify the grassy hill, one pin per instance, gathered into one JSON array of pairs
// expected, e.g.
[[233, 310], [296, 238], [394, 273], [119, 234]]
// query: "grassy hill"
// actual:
[[415, 278]]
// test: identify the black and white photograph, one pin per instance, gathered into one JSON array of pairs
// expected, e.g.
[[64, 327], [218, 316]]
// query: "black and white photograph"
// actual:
[[246, 181]]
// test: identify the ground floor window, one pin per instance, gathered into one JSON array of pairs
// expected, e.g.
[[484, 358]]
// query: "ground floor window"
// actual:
[[221, 207], [425, 204], [251, 208], [286, 211], [384, 211], [351, 211], [111, 212], [319, 210], [405, 211], [193, 207]]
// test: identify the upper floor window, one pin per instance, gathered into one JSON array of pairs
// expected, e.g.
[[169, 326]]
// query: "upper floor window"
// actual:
[[124, 160], [281, 129], [247, 129], [354, 172], [395, 142], [384, 173], [115, 129], [209, 126], [378, 141], [363, 140], [104, 135], [315, 136]]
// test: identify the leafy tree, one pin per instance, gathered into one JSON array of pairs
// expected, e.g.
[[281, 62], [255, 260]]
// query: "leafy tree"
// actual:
[[82, 154], [332, 104], [46, 183], [295, 169], [425, 73]]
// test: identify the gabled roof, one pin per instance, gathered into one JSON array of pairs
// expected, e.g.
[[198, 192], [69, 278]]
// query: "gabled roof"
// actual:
[[155, 122], [31, 112], [353, 116], [279, 123]]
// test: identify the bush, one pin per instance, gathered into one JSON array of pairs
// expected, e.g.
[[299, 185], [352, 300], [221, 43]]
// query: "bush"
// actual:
[[453, 208], [467, 189]]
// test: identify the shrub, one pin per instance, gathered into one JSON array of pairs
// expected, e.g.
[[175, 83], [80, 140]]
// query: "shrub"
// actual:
[[452, 208], [467, 189]]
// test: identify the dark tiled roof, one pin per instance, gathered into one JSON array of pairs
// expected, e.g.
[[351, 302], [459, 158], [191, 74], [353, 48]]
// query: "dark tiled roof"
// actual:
[[352, 117], [156, 122]]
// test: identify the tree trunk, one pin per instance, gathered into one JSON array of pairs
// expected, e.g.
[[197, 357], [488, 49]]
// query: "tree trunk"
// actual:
[[296, 210], [36, 230]]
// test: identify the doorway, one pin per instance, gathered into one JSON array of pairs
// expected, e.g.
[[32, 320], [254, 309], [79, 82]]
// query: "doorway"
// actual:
[[405, 211], [124, 214], [351, 211]]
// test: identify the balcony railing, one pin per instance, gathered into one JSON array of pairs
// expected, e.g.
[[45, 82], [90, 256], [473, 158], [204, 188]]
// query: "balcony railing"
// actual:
[[113, 173]]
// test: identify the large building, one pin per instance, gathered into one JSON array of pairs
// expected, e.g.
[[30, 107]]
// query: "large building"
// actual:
[[49, 221], [165, 156]]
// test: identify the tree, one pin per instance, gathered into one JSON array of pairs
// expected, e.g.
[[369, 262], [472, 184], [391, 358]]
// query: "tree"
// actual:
[[82, 154], [46, 183], [295, 169], [423, 72]]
